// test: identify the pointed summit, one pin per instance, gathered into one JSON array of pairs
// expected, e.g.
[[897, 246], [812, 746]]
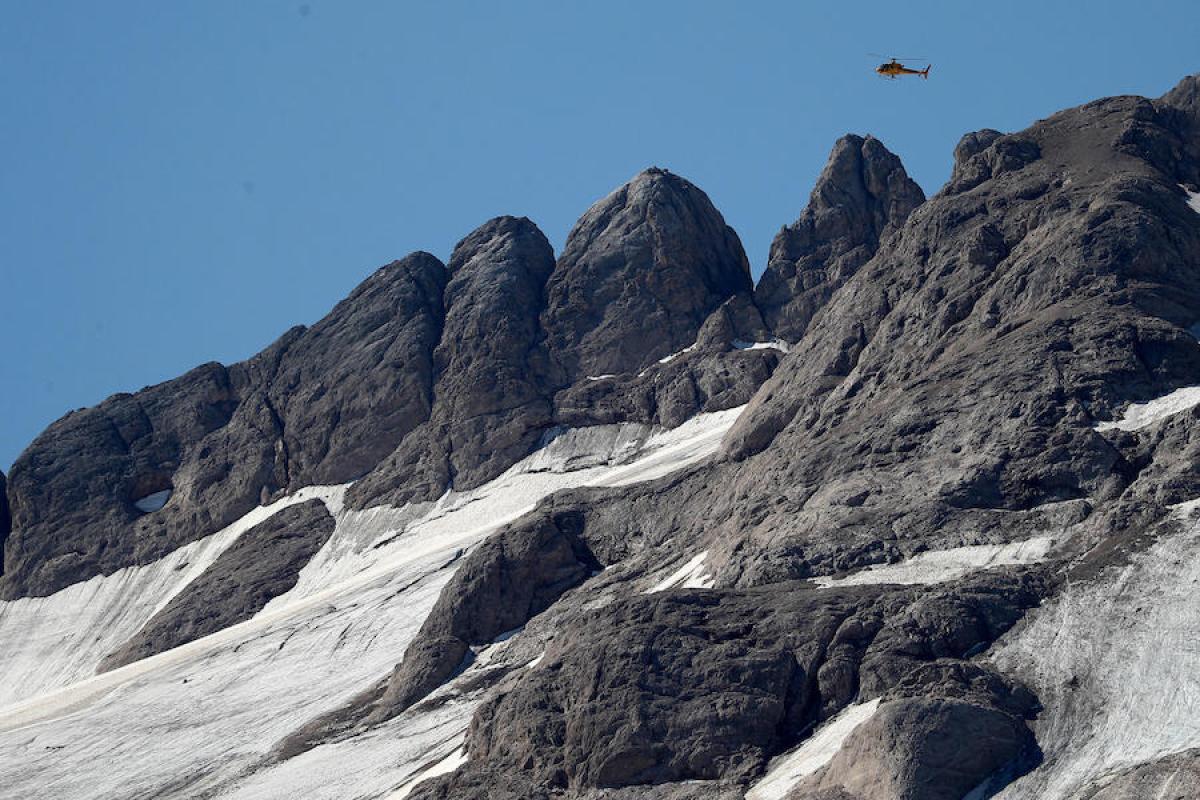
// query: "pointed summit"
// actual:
[[641, 271], [862, 195], [491, 395]]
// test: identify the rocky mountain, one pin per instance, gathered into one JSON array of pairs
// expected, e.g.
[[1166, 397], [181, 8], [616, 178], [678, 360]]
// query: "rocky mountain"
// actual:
[[914, 517]]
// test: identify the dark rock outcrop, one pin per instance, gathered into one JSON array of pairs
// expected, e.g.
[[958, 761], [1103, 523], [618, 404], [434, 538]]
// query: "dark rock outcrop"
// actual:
[[493, 377], [503, 583], [707, 686], [319, 405], [352, 386], [640, 273], [734, 353], [923, 749], [263, 563], [862, 196]]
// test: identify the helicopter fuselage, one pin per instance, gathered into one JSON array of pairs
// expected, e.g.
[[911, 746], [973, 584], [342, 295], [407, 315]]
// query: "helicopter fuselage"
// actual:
[[893, 69]]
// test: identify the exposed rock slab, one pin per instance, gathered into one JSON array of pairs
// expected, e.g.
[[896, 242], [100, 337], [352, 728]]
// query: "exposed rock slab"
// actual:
[[922, 749], [691, 685], [734, 353]]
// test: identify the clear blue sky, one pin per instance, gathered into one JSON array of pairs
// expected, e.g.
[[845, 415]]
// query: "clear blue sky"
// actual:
[[183, 181]]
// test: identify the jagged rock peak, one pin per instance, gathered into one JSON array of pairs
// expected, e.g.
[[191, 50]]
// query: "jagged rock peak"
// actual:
[[862, 196], [1185, 94], [493, 379], [494, 384], [973, 143], [322, 405], [641, 271], [499, 233]]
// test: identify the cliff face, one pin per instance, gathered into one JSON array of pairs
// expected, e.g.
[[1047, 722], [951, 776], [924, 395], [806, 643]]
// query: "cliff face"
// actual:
[[321, 405], [968, 428], [949, 397], [862, 196], [639, 274], [493, 379]]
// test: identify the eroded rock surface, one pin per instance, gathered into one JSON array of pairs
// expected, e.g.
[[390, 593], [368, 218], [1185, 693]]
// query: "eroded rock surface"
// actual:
[[640, 273], [493, 376], [681, 686], [862, 196], [320, 405]]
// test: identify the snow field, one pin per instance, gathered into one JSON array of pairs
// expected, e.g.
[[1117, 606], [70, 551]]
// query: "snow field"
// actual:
[[1116, 663], [199, 719], [52, 641]]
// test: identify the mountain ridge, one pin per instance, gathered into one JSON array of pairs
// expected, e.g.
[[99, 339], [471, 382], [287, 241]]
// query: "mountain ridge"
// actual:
[[946, 426]]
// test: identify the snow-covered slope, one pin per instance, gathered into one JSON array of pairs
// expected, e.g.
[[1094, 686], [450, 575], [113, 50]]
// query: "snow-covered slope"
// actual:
[[53, 641], [213, 708], [1116, 663]]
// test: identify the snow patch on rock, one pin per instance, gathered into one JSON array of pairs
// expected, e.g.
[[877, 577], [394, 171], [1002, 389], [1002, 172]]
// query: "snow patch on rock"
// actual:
[[774, 344], [692, 575], [448, 764], [1193, 198], [789, 769], [1140, 415], [152, 502], [937, 566]]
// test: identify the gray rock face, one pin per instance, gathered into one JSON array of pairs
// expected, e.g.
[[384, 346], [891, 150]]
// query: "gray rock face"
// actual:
[[501, 585], [706, 686], [640, 273], [262, 564], [916, 398], [318, 406], [350, 388], [5, 518], [946, 394], [862, 196], [493, 377], [722, 370]]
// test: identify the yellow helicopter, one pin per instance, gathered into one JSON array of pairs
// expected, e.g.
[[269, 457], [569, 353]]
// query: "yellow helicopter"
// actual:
[[894, 69]]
